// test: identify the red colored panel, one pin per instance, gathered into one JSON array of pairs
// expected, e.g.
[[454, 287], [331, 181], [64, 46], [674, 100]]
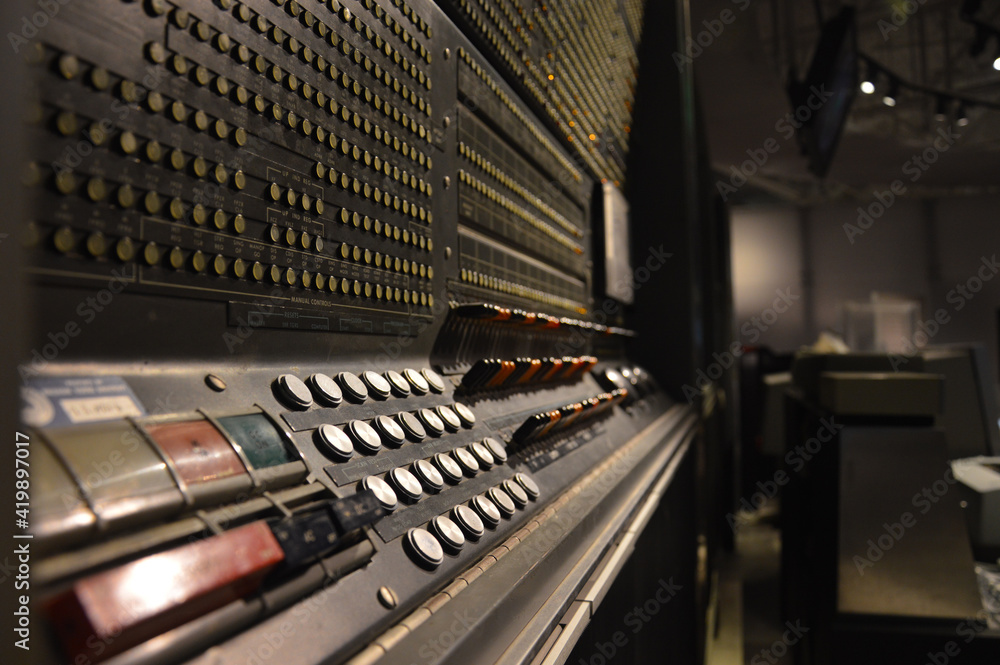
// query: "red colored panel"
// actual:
[[198, 450], [112, 611]]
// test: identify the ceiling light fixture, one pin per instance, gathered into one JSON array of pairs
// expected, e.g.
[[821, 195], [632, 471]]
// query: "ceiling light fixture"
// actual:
[[871, 77]]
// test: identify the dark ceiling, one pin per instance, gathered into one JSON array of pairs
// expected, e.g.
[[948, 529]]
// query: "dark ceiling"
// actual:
[[741, 76]]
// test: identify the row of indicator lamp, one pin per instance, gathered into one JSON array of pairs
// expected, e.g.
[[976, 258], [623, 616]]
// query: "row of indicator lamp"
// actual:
[[491, 373], [542, 424], [114, 610], [108, 476]]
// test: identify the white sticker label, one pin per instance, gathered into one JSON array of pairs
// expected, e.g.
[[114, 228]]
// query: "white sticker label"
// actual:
[[91, 409]]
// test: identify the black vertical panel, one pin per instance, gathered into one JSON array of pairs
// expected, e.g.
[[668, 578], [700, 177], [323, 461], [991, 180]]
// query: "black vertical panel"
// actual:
[[663, 190], [650, 615]]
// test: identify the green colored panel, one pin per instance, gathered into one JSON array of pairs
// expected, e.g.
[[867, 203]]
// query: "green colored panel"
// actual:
[[260, 440]]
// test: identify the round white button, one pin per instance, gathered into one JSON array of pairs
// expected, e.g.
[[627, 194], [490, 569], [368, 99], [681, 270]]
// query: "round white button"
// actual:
[[465, 413], [326, 389], [376, 384], [294, 392], [496, 449], [364, 436], [529, 485], [382, 490], [516, 492], [431, 421], [392, 434], [331, 439], [469, 520], [449, 467], [482, 454], [502, 500], [447, 532], [429, 474], [487, 510], [406, 483], [417, 382], [435, 381], [451, 420], [467, 460], [424, 548], [399, 384]]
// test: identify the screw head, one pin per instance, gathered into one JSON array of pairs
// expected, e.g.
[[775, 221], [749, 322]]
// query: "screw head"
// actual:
[[387, 597], [215, 383]]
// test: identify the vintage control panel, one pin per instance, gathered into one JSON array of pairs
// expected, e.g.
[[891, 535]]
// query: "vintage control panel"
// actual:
[[314, 350]]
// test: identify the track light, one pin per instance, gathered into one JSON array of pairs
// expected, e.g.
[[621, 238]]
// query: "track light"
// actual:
[[961, 118], [996, 64], [892, 94], [871, 76], [941, 109]]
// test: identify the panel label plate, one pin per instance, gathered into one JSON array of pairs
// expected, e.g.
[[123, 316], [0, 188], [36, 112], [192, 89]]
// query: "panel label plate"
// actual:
[[62, 401]]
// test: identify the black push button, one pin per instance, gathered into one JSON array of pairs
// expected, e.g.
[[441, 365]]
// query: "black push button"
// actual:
[[417, 381], [516, 492], [502, 500], [325, 389], [451, 420], [364, 436], [466, 460], [392, 434], [529, 485], [332, 440], [431, 421], [353, 387], [294, 392], [424, 548], [433, 379], [448, 533], [487, 510], [377, 385], [382, 491], [496, 449], [465, 413], [469, 520], [428, 473], [448, 467], [400, 386]]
